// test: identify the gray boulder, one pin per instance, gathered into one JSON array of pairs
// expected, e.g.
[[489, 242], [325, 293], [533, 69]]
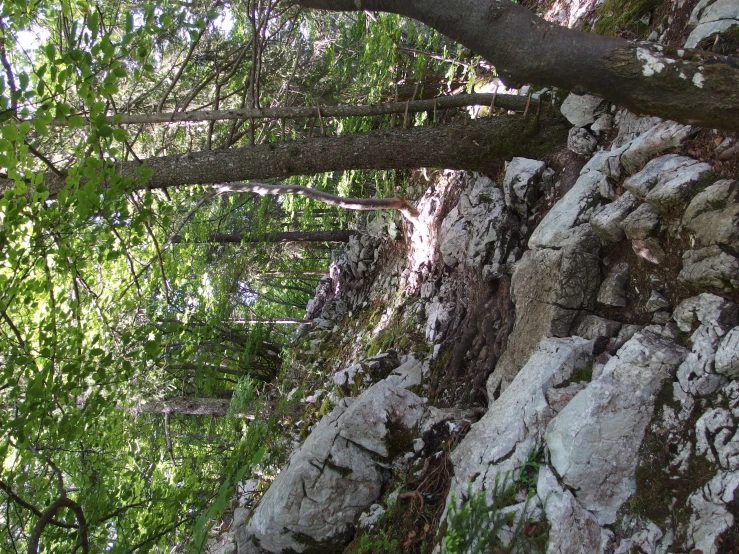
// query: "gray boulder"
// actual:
[[568, 222], [573, 529], [710, 17], [667, 181], [607, 221], [710, 516], [640, 223], [613, 290], [514, 424], [713, 266], [582, 109], [713, 215], [594, 441], [521, 184], [548, 287], [696, 374], [336, 475], [706, 308], [593, 327], [581, 142], [727, 355], [480, 231]]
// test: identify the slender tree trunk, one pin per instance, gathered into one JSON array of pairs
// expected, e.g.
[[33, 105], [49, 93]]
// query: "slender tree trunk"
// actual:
[[285, 236], [186, 406], [505, 101], [689, 86], [478, 145]]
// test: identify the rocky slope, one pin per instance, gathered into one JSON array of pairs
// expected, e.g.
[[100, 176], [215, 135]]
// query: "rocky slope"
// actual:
[[535, 364]]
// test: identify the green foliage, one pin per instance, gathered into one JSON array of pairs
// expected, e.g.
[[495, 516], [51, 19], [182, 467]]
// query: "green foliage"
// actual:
[[623, 17], [475, 525]]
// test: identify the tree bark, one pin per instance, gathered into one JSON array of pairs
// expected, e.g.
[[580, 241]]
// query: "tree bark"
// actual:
[[505, 101], [479, 145], [284, 236], [186, 406], [689, 86]]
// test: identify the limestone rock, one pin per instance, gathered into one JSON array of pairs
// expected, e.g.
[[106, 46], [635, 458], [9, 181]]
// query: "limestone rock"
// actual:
[[640, 223], [717, 438], [710, 17], [581, 109], [337, 474], [656, 302], [653, 141], [548, 288], [568, 222], [667, 181], [573, 530], [581, 142], [594, 441], [603, 123], [709, 516], [713, 266], [480, 231], [696, 374], [706, 308], [593, 327], [645, 541], [607, 222], [514, 423], [359, 376], [727, 355], [409, 374], [713, 215], [613, 290], [521, 184]]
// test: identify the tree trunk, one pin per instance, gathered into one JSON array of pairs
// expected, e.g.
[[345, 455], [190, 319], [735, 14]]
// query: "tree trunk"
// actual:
[[186, 406], [479, 145], [505, 101], [283, 321], [285, 236], [689, 86]]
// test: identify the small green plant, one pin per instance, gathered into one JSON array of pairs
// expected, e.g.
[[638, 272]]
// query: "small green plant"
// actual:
[[475, 526]]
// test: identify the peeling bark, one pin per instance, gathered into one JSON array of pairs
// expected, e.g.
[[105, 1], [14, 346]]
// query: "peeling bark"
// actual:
[[688, 86]]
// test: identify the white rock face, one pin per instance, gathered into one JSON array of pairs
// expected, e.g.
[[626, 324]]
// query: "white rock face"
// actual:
[[712, 266], [573, 529], [568, 222], [713, 214], [727, 355], [549, 287], [594, 441], [705, 308], [607, 221], [336, 474], [581, 142], [480, 231], [581, 109], [710, 17], [709, 515], [667, 181], [521, 184], [514, 424]]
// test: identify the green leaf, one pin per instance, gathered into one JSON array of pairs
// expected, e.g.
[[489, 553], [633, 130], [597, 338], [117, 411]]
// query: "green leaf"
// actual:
[[40, 127], [75, 122]]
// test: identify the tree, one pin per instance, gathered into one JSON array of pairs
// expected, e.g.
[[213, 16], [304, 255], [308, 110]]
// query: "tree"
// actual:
[[103, 309], [688, 86]]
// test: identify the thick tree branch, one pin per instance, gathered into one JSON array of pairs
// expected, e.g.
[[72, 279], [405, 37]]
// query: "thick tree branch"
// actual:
[[689, 86], [479, 145], [48, 516]]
